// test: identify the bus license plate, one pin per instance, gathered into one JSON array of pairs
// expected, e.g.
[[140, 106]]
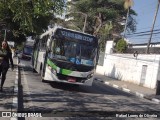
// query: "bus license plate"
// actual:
[[71, 80]]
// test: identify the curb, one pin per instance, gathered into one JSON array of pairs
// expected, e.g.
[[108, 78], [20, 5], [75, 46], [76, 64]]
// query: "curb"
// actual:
[[131, 92], [15, 99]]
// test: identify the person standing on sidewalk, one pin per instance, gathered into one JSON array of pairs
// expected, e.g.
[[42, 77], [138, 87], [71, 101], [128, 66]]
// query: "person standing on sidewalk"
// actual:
[[5, 57]]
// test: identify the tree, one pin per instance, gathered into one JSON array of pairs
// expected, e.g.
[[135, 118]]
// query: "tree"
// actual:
[[121, 46], [127, 5], [100, 13], [105, 33], [28, 17]]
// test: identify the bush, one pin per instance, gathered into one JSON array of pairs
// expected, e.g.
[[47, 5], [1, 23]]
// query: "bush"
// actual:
[[121, 46]]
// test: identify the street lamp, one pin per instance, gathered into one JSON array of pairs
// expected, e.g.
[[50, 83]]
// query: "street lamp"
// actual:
[[5, 33], [3, 25]]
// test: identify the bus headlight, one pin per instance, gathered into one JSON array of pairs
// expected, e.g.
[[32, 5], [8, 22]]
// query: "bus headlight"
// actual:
[[89, 76], [54, 71]]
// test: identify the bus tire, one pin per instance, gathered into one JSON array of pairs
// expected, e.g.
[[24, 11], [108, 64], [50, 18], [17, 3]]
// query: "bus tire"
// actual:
[[41, 73], [33, 70], [42, 80]]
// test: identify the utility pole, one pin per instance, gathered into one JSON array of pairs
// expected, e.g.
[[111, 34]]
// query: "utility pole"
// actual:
[[158, 80], [149, 41]]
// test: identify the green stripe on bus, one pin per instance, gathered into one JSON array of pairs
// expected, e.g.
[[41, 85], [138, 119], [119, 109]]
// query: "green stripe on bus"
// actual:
[[65, 71], [50, 63], [62, 71]]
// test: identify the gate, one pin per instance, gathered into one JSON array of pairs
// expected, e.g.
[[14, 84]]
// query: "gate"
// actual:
[[143, 74]]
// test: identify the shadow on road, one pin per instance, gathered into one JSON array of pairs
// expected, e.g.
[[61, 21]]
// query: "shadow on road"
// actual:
[[54, 99], [96, 88]]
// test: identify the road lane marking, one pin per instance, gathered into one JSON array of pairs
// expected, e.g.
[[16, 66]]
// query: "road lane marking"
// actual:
[[115, 86], [107, 83], [15, 103], [15, 93], [28, 92], [156, 100], [126, 90], [111, 100], [139, 94]]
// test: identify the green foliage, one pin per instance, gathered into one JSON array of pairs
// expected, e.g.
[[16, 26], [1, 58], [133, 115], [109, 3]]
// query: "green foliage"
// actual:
[[121, 46], [24, 17], [105, 33], [110, 10], [19, 46], [100, 13]]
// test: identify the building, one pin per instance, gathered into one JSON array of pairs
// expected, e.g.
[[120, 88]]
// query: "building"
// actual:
[[142, 70], [141, 48]]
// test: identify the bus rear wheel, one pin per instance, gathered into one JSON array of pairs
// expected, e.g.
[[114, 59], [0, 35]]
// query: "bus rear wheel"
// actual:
[[33, 70], [41, 74]]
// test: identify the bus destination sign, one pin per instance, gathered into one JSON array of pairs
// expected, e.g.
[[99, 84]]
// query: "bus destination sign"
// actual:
[[77, 36]]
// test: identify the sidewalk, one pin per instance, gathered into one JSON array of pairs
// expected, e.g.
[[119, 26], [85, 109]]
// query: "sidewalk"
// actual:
[[129, 87], [7, 96]]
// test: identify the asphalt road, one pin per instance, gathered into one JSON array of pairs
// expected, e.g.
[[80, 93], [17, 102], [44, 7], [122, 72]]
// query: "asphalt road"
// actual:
[[65, 101]]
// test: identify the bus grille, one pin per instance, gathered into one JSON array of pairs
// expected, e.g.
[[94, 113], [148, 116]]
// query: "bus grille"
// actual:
[[65, 77]]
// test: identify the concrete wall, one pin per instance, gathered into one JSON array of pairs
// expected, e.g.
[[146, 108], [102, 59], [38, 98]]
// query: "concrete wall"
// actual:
[[109, 47], [126, 67]]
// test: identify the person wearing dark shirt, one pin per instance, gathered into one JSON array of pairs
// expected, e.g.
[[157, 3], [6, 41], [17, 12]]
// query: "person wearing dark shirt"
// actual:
[[5, 58]]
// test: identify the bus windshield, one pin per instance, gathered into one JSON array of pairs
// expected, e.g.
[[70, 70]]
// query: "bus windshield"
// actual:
[[74, 52], [28, 50]]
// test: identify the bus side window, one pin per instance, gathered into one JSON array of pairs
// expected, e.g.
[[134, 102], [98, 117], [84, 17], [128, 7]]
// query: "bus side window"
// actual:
[[42, 43]]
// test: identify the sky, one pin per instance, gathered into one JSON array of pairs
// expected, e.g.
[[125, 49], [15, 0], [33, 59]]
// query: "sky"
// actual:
[[146, 11]]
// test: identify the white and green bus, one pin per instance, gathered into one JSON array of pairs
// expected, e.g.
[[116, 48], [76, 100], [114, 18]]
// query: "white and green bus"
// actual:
[[65, 55]]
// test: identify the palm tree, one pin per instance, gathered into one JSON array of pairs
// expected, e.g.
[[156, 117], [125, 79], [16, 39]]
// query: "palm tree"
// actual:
[[127, 5]]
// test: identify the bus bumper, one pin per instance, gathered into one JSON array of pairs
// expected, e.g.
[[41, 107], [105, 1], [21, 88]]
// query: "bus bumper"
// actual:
[[49, 76]]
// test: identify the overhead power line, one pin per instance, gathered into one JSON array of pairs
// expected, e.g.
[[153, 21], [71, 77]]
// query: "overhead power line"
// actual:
[[143, 32], [157, 26], [138, 37]]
